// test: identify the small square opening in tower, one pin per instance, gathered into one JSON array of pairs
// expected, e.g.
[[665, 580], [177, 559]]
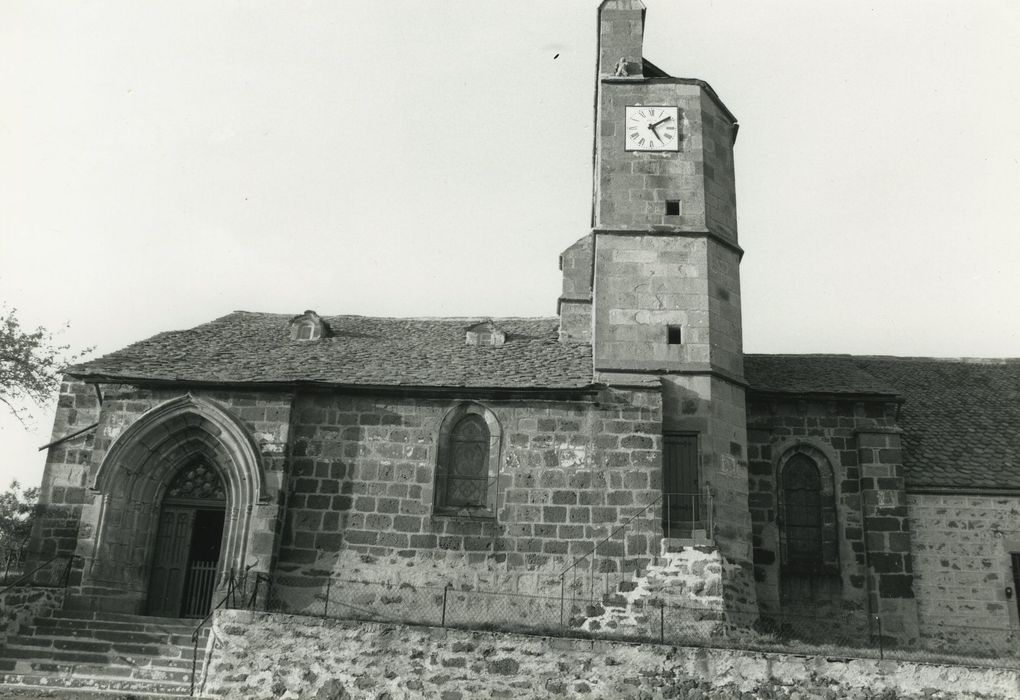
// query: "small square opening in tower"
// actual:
[[672, 207], [674, 336]]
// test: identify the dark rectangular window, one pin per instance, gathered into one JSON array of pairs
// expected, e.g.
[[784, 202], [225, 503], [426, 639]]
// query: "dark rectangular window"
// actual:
[[1015, 556], [674, 336], [681, 485], [672, 207]]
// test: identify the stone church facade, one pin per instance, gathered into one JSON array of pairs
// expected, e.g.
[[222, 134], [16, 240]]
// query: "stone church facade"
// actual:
[[493, 454]]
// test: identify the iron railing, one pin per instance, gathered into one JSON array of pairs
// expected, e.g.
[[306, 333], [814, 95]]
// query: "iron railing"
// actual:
[[53, 572], [836, 633]]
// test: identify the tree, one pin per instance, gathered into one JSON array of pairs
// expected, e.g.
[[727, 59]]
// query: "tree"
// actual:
[[31, 363], [18, 508]]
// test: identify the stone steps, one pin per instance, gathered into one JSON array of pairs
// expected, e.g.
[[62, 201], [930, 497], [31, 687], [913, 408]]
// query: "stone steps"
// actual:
[[111, 652]]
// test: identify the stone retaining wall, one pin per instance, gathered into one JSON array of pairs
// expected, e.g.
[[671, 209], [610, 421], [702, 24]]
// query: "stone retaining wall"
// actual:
[[262, 655], [19, 605]]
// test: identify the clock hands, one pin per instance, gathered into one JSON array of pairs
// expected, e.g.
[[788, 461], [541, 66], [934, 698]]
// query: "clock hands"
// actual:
[[651, 127]]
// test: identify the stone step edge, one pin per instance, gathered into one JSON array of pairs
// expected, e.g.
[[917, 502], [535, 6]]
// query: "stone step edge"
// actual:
[[114, 637], [116, 625], [96, 673], [120, 617], [69, 659], [96, 685], [24, 651]]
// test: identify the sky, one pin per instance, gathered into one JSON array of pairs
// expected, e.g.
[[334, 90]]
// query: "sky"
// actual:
[[165, 163]]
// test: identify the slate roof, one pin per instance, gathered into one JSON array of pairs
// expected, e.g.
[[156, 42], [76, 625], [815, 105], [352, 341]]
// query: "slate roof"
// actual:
[[421, 352], [960, 417], [811, 374]]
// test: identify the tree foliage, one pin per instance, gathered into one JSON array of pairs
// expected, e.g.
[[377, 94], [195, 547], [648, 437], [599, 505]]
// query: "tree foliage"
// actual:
[[31, 363], [18, 507]]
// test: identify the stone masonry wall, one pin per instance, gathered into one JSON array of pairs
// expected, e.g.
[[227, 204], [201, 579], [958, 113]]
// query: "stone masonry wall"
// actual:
[[829, 429], [65, 477], [71, 467], [258, 655], [961, 549], [361, 492]]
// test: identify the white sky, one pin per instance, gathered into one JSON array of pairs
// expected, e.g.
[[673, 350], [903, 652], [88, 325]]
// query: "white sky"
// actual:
[[165, 163]]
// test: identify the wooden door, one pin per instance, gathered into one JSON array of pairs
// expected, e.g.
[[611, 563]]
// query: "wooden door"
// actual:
[[203, 561], [170, 560], [681, 487]]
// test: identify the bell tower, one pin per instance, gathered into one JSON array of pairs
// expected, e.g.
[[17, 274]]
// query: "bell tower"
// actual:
[[655, 287]]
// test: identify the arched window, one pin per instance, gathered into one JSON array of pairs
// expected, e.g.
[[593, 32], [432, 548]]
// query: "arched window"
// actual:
[[467, 465], [807, 512], [802, 491]]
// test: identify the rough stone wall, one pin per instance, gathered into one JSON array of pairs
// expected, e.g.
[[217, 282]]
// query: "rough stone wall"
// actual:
[[65, 476], [778, 426], [22, 604], [714, 409], [642, 285], [72, 506], [632, 187], [887, 533], [726, 335], [961, 549], [718, 134], [577, 265], [276, 656], [266, 415], [361, 491]]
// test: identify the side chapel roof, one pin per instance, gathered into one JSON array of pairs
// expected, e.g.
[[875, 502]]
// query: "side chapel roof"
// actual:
[[960, 417]]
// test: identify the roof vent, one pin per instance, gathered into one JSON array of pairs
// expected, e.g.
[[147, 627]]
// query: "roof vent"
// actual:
[[309, 326], [485, 333]]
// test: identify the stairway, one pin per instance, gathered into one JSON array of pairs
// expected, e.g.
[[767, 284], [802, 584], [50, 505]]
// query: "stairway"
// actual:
[[86, 651]]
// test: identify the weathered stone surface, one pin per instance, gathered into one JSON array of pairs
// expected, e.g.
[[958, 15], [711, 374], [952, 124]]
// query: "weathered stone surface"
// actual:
[[272, 657]]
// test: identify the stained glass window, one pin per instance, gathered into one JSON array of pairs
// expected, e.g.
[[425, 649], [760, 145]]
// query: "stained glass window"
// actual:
[[464, 472], [802, 491]]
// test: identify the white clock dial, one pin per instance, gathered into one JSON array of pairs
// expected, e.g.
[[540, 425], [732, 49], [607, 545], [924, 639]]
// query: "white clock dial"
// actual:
[[651, 128]]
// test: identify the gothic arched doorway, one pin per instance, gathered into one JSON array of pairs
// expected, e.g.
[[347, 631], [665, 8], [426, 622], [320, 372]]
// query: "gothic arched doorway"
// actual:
[[189, 539], [120, 522]]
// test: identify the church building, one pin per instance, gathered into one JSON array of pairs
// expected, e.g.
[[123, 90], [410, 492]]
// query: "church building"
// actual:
[[627, 445]]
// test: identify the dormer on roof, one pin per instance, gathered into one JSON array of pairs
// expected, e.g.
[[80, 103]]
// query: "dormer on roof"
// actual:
[[309, 326], [485, 333]]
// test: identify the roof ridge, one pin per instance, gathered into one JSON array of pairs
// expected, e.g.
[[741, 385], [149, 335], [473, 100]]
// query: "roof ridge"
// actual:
[[904, 358], [479, 317]]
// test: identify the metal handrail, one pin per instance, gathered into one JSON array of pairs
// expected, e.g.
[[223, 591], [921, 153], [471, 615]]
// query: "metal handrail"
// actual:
[[610, 536], [699, 494], [64, 577]]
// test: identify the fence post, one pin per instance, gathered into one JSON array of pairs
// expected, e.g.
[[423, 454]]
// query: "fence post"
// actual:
[[881, 651], [561, 600], [662, 622], [445, 589], [329, 586], [668, 525]]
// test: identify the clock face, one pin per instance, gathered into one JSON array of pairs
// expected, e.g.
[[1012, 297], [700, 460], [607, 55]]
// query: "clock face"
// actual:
[[652, 128]]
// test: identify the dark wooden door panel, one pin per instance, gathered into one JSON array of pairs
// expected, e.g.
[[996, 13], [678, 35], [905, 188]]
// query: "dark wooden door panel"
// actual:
[[170, 561], [681, 488]]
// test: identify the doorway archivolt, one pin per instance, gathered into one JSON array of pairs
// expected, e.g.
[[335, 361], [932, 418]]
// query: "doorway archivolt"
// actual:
[[121, 526]]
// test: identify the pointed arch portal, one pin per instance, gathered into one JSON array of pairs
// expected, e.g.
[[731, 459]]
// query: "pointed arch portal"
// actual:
[[143, 505]]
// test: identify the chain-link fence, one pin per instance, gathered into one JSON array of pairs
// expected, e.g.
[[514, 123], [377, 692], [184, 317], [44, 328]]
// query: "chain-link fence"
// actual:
[[837, 634]]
